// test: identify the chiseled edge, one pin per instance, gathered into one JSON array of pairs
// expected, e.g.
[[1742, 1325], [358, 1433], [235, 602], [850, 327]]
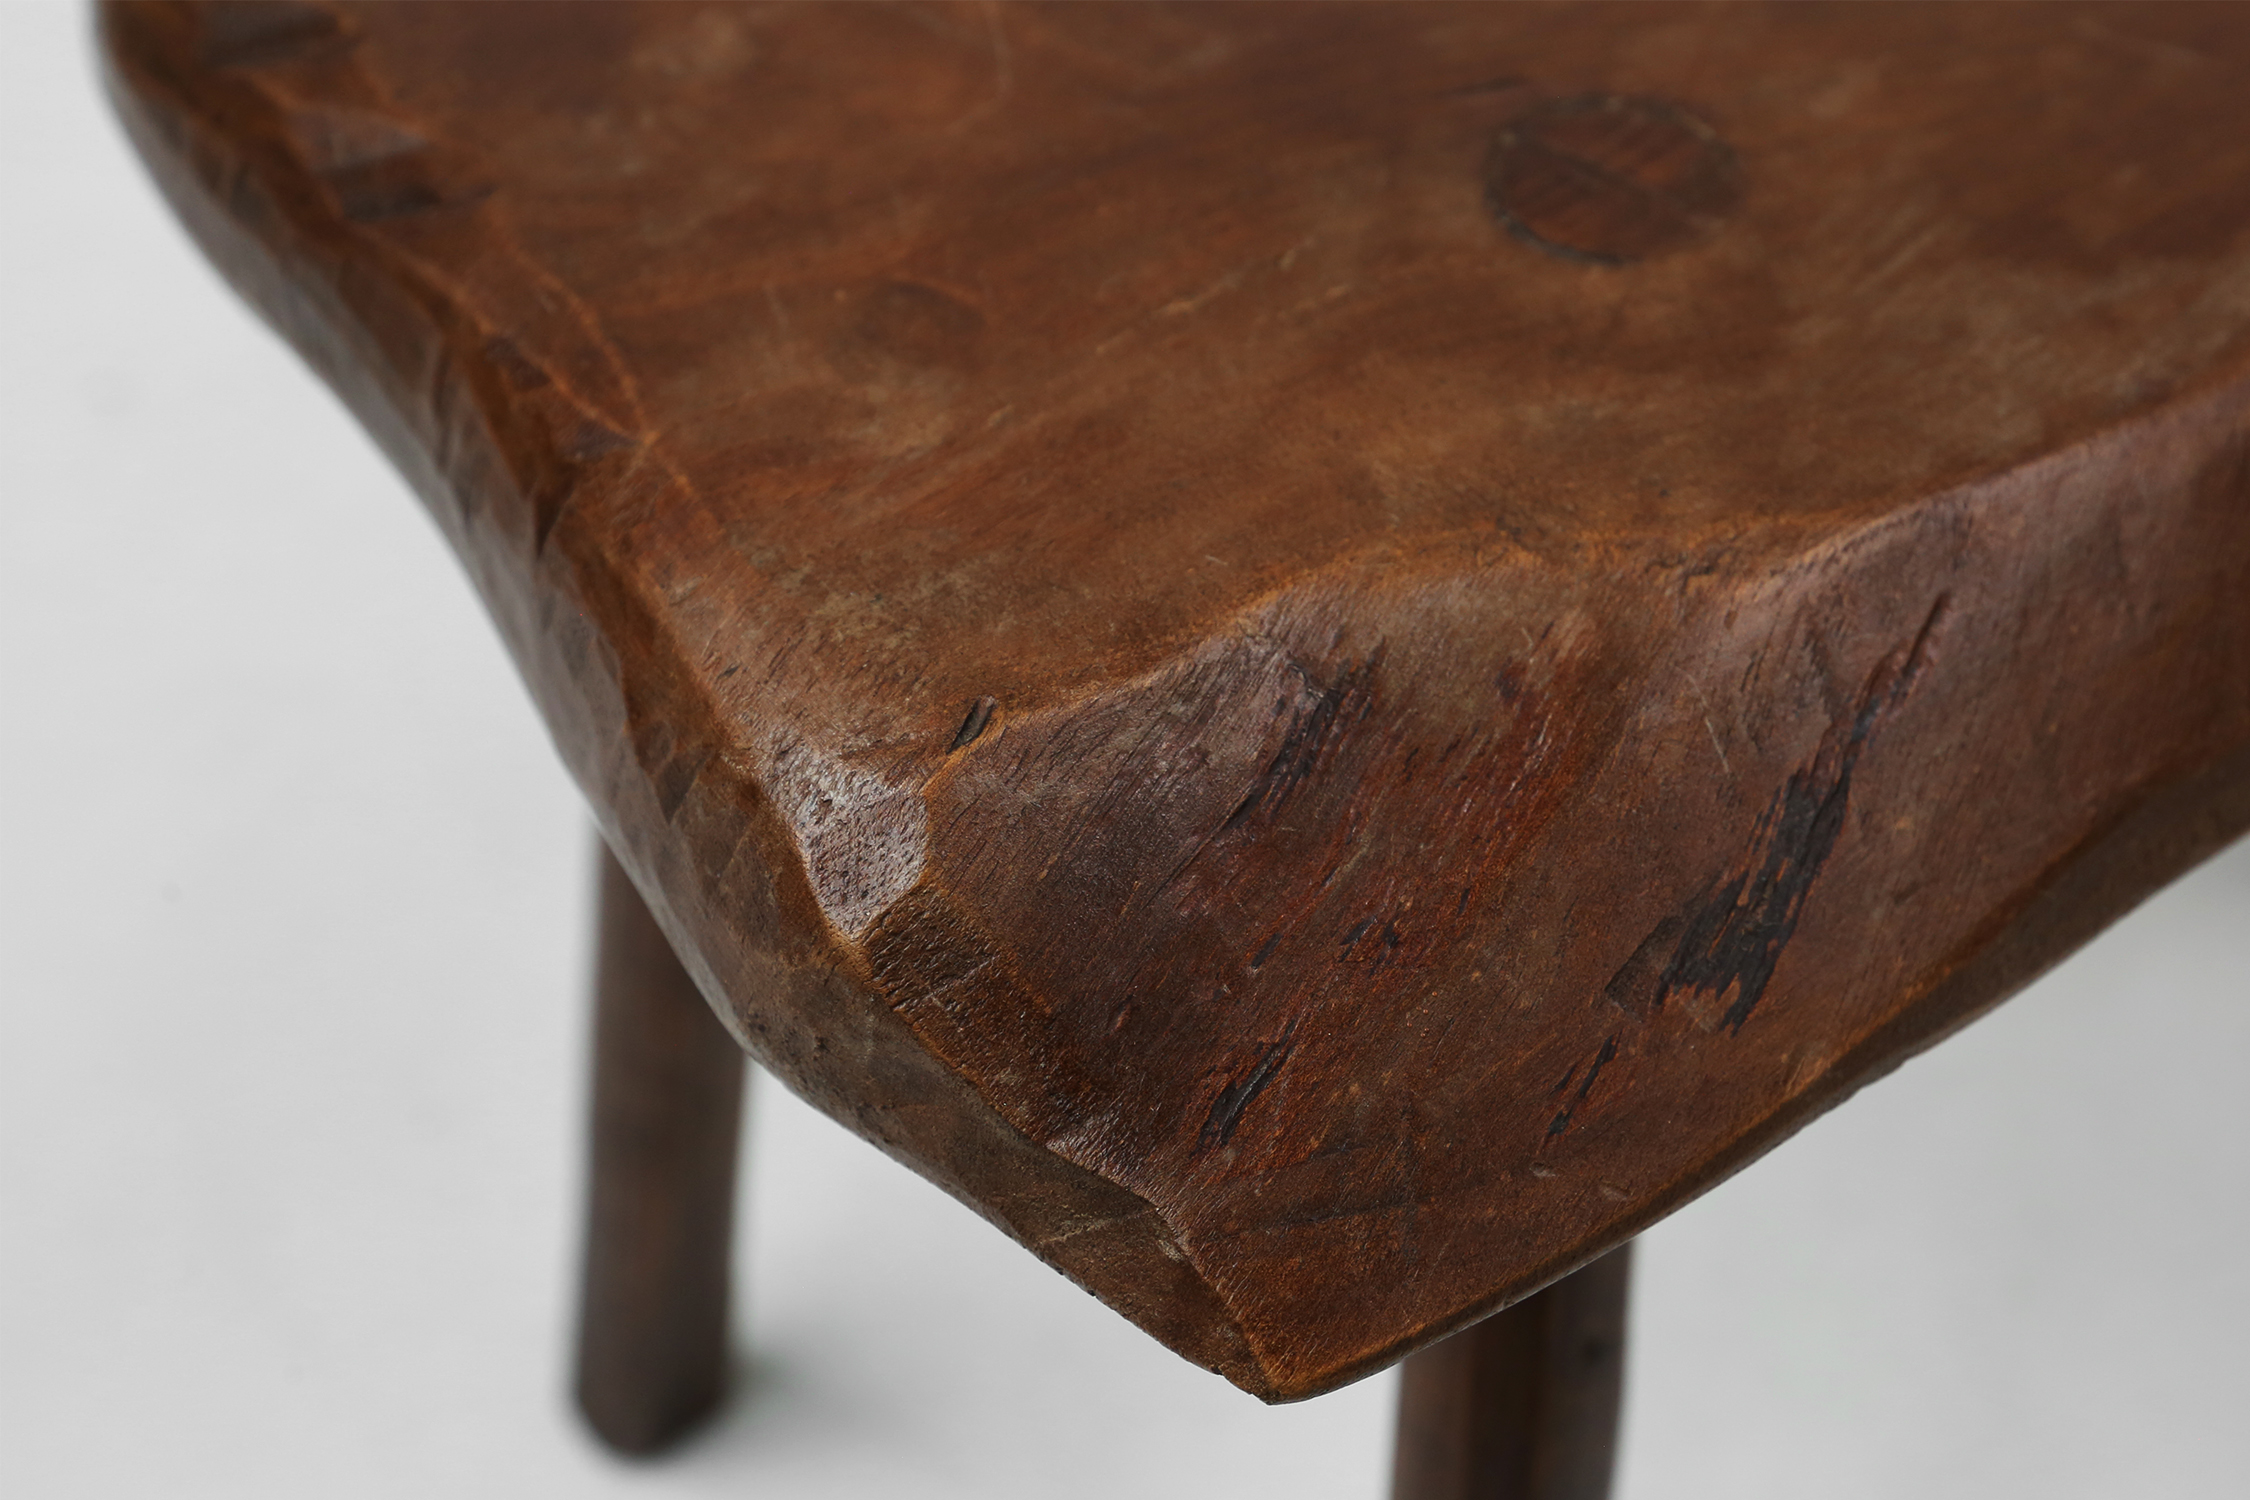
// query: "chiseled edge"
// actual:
[[473, 421], [445, 410]]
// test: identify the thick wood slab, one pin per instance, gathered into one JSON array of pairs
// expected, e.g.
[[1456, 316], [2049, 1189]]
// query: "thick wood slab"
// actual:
[[1324, 658]]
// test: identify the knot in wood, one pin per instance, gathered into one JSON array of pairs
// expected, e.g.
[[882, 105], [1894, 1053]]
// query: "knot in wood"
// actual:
[[1609, 179]]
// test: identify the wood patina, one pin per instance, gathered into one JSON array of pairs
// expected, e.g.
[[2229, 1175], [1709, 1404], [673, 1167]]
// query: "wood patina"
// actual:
[[1324, 658]]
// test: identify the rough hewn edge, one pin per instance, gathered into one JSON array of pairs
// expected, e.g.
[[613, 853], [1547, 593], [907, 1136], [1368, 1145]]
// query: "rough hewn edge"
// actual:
[[341, 303], [2156, 831], [1106, 1238], [2169, 832]]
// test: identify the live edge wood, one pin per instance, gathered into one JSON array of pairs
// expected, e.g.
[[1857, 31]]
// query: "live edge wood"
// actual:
[[1323, 657], [667, 1119]]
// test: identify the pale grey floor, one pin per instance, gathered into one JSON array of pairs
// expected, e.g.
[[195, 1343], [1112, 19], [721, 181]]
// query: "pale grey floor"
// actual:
[[291, 930]]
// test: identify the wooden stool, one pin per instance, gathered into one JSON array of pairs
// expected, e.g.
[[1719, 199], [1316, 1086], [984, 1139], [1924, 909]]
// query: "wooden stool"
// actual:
[[1323, 658]]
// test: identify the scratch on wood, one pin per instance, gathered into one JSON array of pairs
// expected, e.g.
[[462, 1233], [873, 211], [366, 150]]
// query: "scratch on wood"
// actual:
[[1711, 728], [1602, 1059], [1319, 721], [1227, 1110]]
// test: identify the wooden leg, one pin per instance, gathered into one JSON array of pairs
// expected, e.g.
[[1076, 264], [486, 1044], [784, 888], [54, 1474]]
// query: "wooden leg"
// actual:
[[652, 1330], [1524, 1405]]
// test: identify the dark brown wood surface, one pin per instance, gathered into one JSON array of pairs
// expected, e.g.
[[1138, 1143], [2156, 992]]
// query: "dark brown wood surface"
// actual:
[[1523, 1406], [667, 1123], [1322, 657]]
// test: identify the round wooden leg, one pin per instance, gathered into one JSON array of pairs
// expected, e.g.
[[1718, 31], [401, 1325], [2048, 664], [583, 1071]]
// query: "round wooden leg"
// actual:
[[652, 1330], [1524, 1405]]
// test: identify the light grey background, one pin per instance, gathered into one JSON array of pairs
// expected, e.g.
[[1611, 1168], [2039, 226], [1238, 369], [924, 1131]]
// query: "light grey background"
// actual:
[[292, 1050]]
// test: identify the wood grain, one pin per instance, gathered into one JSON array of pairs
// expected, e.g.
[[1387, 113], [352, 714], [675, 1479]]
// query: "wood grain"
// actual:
[[1324, 657], [667, 1123], [1525, 1405]]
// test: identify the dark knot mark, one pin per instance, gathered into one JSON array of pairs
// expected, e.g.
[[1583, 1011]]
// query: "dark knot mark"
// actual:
[[1234, 1099], [1608, 179], [1730, 936], [980, 716]]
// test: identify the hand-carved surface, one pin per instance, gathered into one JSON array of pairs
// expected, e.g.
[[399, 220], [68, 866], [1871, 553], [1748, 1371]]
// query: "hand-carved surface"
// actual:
[[1323, 657]]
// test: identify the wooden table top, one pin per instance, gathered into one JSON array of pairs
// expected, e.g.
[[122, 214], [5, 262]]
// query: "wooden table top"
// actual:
[[1324, 658]]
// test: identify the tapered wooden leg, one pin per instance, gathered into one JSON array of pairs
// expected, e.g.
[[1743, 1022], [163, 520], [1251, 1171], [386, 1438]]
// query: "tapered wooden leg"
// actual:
[[652, 1329], [1524, 1405]]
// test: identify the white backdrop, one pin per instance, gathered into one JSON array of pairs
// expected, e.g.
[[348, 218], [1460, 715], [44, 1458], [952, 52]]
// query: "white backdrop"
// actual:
[[292, 1051]]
